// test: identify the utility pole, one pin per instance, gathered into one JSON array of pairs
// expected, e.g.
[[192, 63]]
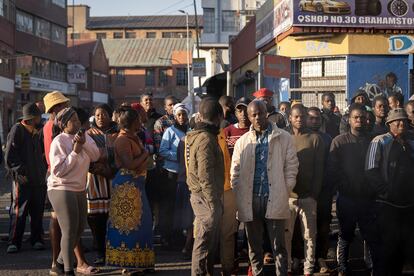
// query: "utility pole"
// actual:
[[197, 38]]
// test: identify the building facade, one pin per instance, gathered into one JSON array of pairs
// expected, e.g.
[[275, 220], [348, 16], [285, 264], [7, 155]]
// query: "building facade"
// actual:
[[88, 69], [300, 54], [138, 66], [41, 50], [84, 26], [7, 65]]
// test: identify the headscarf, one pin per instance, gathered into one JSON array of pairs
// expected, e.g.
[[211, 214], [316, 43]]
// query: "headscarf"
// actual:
[[63, 117], [180, 107]]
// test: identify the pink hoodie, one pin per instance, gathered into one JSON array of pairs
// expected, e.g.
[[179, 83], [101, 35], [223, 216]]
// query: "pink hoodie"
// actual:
[[68, 169]]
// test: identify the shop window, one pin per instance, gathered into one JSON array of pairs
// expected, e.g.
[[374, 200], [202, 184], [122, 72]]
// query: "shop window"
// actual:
[[151, 35], [118, 35], [209, 25], [150, 77], [163, 78], [58, 34], [42, 28], [24, 22], [181, 76], [230, 21], [100, 35], [120, 77], [130, 35], [58, 71]]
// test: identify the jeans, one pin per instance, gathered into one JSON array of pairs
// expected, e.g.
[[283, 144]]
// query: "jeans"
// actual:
[[305, 209], [276, 230], [228, 231]]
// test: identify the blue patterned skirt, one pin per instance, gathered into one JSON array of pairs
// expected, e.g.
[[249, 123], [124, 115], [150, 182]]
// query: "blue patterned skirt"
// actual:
[[129, 232]]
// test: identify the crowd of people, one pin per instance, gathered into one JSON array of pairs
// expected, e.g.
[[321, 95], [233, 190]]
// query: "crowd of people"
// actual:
[[194, 180]]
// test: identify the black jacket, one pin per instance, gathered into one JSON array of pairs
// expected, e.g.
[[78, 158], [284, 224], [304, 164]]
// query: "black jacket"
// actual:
[[330, 123], [346, 167], [25, 156], [153, 116]]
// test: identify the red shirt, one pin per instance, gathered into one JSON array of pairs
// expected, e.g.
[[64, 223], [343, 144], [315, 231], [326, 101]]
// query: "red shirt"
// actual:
[[47, 139], [233, 133]]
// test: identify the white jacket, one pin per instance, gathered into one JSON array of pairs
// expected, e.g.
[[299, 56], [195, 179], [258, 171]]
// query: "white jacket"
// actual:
[[282, 168]]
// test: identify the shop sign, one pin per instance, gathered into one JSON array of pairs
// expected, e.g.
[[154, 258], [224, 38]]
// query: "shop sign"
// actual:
[[273, 18], [199, 67], [398, 14], [37, 84], [276, 66], [76, 73], [401, 44]]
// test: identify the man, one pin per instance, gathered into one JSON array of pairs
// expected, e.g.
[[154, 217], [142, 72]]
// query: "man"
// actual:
[[391, 86], [284, 110], [155, 176], [354, 204], [396, 100], [330, 121], [26, 164], [205, 179], [303, 199], [227, 103], [389, 170], [235, 131], [266, 96], [148, 105], [324, 202], [409, 108], [263, 173], [360, 97], [380, 108]]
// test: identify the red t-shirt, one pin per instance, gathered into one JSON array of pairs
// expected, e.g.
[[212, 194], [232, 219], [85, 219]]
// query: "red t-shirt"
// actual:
[[233, 133], [47, 139]]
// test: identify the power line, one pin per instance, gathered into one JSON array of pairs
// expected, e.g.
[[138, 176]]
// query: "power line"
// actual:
[[167, 8]]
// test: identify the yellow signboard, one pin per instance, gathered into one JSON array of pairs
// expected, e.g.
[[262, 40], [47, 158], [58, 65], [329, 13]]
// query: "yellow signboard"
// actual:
[[25, 80]]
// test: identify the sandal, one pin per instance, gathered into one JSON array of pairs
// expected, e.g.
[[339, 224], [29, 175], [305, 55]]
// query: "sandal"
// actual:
[[90, 270]]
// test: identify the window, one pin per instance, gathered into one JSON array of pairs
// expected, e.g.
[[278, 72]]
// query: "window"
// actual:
[[24, 22], [209, 21], [41, 68], [118, 35], [151, 35], [8, 10], [75, 36], [42, 28], [175, 34], [58, 71], [163, 78], [230, 21], [181, 76], [120, 77], [130, 35], [2, 8], [100, 35], [60, 3], [150, 77], [58, 34]]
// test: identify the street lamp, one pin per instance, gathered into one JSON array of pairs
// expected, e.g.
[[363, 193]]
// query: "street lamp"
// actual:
[[188, 63]]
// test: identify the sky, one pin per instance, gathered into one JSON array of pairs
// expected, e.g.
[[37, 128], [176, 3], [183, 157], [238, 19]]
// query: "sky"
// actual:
[[138, 7]]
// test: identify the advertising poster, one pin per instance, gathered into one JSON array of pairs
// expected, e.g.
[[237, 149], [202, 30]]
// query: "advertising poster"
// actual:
[[354, 13], [378, 75]]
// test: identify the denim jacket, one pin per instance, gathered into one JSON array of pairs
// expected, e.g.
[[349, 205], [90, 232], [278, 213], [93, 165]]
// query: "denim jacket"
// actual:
[[169, 148]]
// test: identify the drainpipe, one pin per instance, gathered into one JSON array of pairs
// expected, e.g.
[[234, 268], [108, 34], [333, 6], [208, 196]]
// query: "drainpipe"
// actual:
[[259, 72]]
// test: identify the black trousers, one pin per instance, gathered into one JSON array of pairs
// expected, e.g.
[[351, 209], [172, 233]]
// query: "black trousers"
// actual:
[[27, 199], [397, 238], [97, 223], [167, 204]]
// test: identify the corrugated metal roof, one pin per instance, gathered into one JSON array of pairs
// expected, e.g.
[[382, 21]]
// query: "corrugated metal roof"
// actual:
[[142, 22], [146, 52]]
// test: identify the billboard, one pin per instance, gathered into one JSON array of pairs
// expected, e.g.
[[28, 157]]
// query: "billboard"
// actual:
[[354, 13], [378, 75], [272, 19], [199, 67]]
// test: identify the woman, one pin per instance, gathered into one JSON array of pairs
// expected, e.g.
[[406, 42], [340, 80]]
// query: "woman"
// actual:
[[129, 234], [169, 152], [103, 132], [71, 153]]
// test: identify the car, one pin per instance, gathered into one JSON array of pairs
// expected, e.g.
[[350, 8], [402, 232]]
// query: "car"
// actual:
[[325, 6]]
